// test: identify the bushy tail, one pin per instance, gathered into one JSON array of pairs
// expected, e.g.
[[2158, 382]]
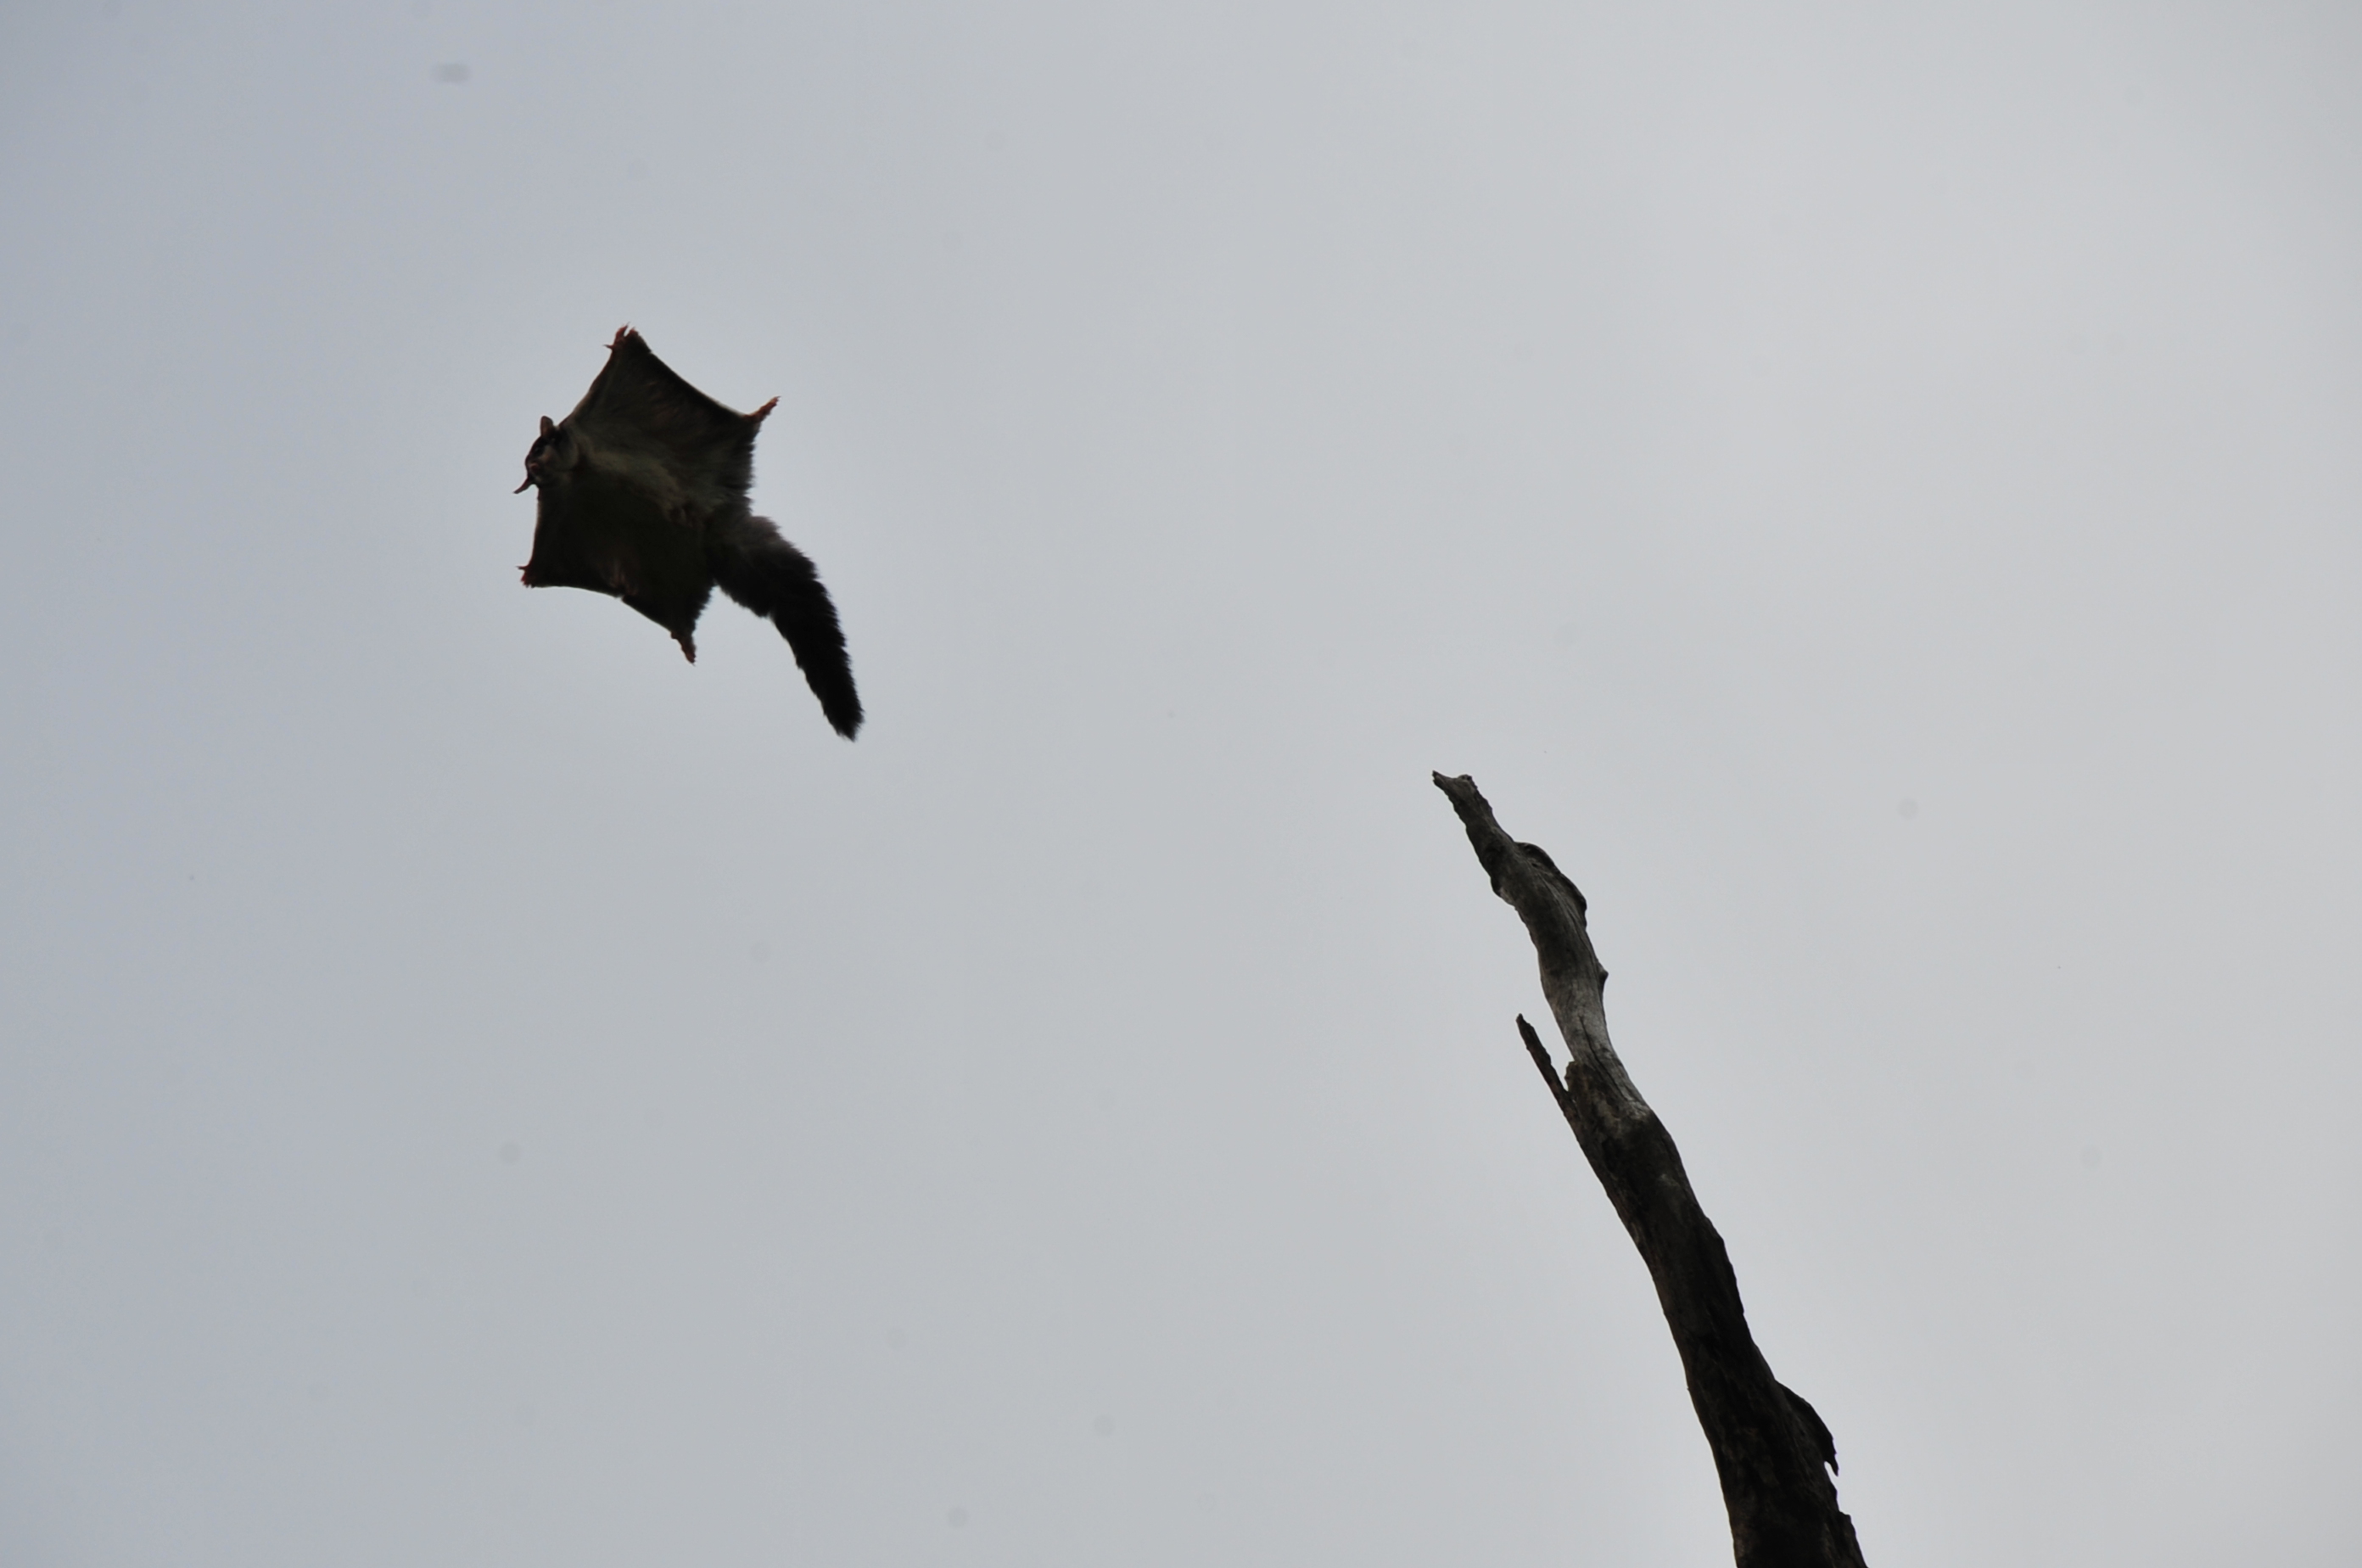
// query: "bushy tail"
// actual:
[[759, 568]]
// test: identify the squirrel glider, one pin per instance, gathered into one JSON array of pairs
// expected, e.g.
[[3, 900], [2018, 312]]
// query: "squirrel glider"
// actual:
[[643, 496]]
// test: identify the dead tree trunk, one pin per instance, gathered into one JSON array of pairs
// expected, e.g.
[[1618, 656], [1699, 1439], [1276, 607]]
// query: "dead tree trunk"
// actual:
[[1772, 1451]]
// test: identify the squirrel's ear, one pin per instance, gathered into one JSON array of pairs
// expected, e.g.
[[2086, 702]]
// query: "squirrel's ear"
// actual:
[[547, 424]]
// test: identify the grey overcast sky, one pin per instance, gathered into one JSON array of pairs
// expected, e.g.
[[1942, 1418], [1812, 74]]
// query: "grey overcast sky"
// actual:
[[1873, 490]]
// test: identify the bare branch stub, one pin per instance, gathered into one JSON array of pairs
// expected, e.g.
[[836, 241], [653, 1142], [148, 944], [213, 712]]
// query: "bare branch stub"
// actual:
[[1772, 1451]]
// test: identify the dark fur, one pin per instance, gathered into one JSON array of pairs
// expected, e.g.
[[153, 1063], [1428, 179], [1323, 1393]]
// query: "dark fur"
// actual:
[[755, 565], [643, 496]]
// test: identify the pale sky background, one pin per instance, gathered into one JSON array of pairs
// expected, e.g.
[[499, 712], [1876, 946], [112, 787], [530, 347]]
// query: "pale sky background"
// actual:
[[1873, 490]]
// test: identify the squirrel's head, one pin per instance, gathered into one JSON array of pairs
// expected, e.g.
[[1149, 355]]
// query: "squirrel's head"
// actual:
[[553, 452]]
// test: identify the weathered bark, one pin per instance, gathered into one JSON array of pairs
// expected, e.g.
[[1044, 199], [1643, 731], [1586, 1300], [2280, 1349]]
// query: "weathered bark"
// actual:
[[1772, 1451]]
